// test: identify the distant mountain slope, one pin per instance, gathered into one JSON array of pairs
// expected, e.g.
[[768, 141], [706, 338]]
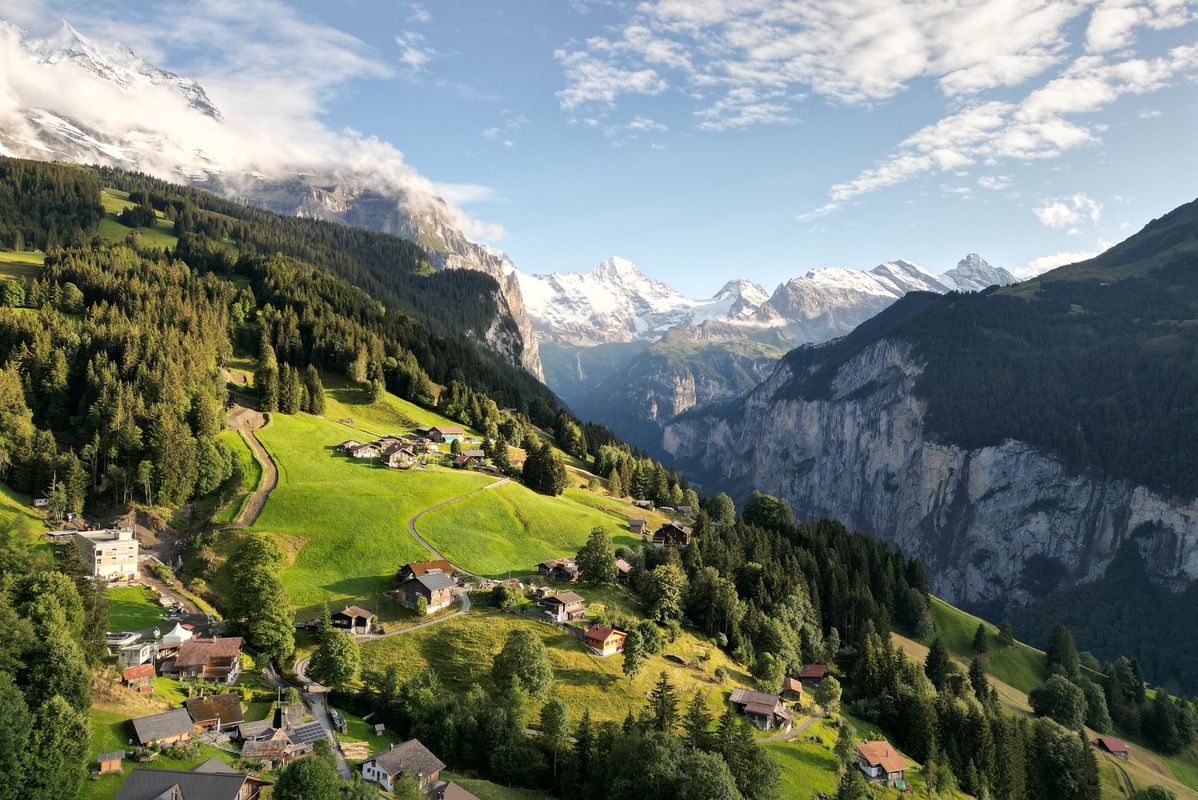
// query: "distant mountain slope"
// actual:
[[192, 142], [1014, 438]]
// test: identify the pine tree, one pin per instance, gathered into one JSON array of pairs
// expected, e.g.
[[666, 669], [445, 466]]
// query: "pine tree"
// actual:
[[615, 486], [584, 742], [979, 640], [634, 654], [977, 680], [936, 665], [1062, 652], [314, 390], [597, 558], [555, 730], [266, 376], [697, 723], [1006, 634]]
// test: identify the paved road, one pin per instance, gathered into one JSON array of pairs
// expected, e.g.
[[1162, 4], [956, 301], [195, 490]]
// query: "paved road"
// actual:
[[416, 534], [793, 733], [320, 712]]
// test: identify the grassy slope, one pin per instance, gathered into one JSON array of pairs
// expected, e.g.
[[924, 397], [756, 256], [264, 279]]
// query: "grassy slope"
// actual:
[[16, 513], [161, 236], [1016, 670], [130, 608], [486, 790], [460, 651], [808, 768], [346, 518], [249, 468], [20, 265]]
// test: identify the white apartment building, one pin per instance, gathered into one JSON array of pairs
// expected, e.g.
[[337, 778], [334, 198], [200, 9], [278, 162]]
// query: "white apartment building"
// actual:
[[109, 554]]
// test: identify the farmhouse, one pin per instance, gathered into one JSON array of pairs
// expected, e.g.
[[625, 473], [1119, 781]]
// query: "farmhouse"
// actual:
[[435, 587], [792, 689], [672, 534], [353, 619], [446, 433], [165, 728], [273, 749], [881, 764], [109, 554], [812, 674], [623, 570], [559, 569], [563, 607], [364, 451], [212, 780], [348, 445], [1116, 747], [471, 458], [214, 712], [139, 677], [410, 758], [765, 711], [451, 791], [399, 455], [216, 660], [414, 568], [638, 526], [604, 641]]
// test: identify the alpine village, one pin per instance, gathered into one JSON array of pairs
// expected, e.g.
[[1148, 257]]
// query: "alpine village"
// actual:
[[289, 511]]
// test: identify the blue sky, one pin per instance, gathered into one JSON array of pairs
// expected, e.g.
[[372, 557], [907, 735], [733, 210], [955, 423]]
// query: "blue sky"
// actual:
[[707, 140]]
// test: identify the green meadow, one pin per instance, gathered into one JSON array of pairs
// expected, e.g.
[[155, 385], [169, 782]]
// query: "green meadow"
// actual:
[[160, 237], [131, 608]]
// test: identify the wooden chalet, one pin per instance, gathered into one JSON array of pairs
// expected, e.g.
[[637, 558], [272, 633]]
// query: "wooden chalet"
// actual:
[[604, 641], [446, 433], [812, 674], [368, 450], [623, 570], [410, 758], [217, 660], [765, 711], [564, 607], [414, 568], [560, 569], [354, 619], [1115, 747], [215, 712], [139, 677], [638, 526], [398, 455], [164, 729], [471, 458], [348, 445], [881, 763], [212, 780], [672, 534], [436, 588], [792, 690]]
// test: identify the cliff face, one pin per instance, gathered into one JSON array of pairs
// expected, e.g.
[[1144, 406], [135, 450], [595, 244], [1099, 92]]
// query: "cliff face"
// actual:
[[993, 523]]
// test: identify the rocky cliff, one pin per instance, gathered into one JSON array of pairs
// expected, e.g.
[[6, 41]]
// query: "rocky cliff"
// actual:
[[1003, 522]]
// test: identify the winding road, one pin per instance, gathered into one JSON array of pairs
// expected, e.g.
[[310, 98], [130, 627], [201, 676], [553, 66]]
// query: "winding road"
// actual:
[[424, 542], [246, 421]]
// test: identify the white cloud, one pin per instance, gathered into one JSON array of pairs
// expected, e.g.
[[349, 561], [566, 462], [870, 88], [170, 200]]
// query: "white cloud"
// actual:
[[413, 53], [994, 182], [593, 81], [1069, 211], [420, 14], [1043, 264], [1149, 114], [1113, 22]]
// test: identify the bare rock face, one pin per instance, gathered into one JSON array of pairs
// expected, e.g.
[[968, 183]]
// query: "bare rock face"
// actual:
[[994, 523]]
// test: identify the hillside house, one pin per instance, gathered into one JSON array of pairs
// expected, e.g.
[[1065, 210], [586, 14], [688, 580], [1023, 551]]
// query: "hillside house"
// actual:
[[109, 554], [348, 445], [369, 450], [217, 660], [410, 758], [470, 459], [638, 526], [164, 729], [273, 749], [414, 568], [138, 653], [792, 690], [436, 588], [623, 570], [643, 503], [560, 569], [446, 433], [215, 711], [107, 763], [139, 677], [1116, 747], [672, 534], [451, 791], [811, 675], [604, 641], [212, 780], [353, 619], [398, 456], [765, 711], [564, 607], [685, 511], [881, 763]]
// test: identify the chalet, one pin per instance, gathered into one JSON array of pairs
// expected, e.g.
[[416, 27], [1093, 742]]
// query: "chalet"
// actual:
[[273, 751], [812, 674], [348, 445], [604, 641], [765, 711], [212, 780], [217, 660], [451, 791], [107, 763], [215, 711], [1116, 747], [471, 458], [436, 588], [672, 534], [881, 764], [364, 451], [564, 607], [165, 728], [685, 511], [398, 455], [139, 677], [559, 569], [623, 570], [792, 690], [414, 568], [139, 653], [446, 433], [638, 526], [410, 758], [353, 619]]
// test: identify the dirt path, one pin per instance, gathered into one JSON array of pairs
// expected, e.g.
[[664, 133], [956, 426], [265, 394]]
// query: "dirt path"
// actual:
[[246, 421], [424, 542], [795, 732]]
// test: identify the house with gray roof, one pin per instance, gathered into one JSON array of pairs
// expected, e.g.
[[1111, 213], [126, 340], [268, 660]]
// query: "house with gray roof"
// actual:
[[165, 728], [436, 588], [410, 758], [212, 780]]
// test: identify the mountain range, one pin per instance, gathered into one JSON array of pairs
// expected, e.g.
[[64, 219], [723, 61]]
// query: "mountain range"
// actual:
[[632, 352]]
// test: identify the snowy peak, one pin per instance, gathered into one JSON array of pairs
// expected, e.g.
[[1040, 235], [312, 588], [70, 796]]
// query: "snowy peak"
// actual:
[[115, 63], [973, 273], [905, 276]]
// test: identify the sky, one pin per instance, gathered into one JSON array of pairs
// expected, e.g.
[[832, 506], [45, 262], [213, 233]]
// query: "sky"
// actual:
[[707, 140]]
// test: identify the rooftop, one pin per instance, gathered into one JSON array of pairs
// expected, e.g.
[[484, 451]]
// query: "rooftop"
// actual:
[[175, 722], [879, 753], [223, 707], [199, 784], [411, 757]]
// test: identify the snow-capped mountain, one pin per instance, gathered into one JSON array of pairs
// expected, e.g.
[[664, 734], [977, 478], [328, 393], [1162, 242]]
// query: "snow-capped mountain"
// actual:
[[616, 302], [113, 108], [973, 274]]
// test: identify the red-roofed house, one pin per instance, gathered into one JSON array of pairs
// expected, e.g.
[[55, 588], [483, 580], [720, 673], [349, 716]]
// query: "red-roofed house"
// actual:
[[1109, 744], [881, 763], [216, 659], [792, 689], [140, 677], [604, 641], [812, 674], [766, 711]]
